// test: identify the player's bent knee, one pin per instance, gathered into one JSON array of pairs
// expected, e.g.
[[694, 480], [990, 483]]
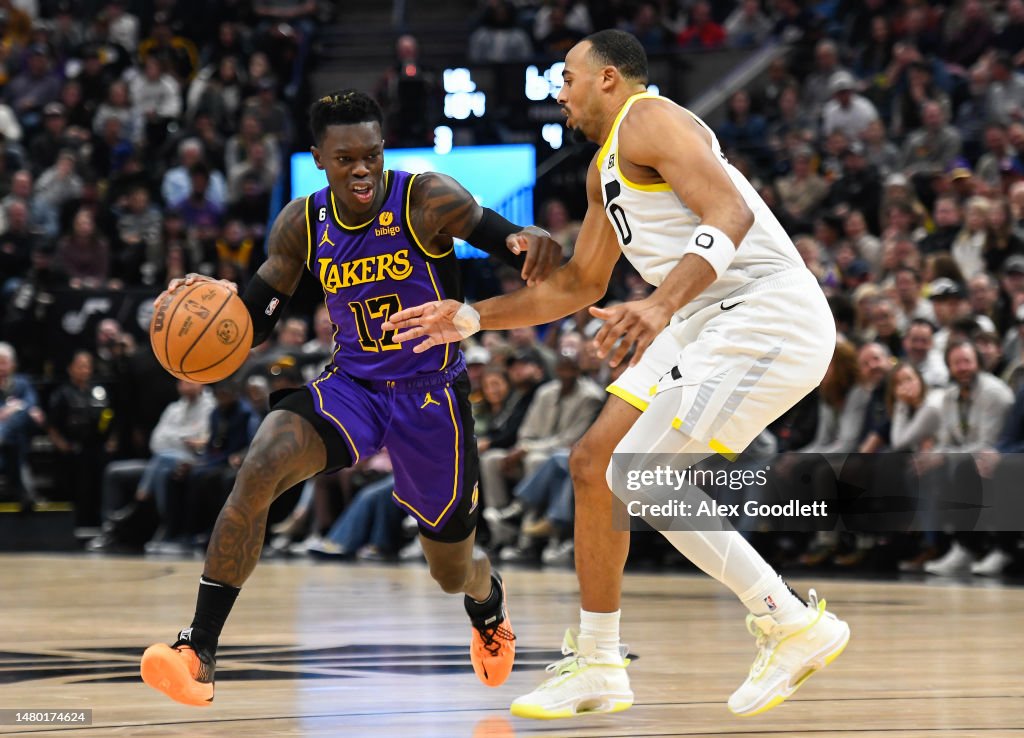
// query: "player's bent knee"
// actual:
[[585, 466], [450, 577]]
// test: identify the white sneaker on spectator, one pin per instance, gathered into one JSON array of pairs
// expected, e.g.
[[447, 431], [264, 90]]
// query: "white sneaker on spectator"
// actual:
[[504, 528], [327, 549], [993, 564], [303, 546], [957, 560], [281, 543], [520, 554], [559, 553], [369, 552], [167, 548], [412, 551]]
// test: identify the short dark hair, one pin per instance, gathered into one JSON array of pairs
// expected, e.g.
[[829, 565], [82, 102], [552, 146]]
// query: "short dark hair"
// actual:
[[909, 270], [923, 322], [954, 345], [343, 108], [621, 50]]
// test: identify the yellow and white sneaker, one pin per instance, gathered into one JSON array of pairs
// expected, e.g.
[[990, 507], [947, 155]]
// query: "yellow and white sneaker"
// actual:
[[585, 682], [787, 655]]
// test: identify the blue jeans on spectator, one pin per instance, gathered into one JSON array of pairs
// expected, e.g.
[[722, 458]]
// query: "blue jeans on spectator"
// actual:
[[157, 474], [371, 519], [15, 433], [549, 489]]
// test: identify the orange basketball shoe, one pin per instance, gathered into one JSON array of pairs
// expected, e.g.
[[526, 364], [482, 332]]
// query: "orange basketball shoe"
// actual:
[[493, 646], [180, 671]]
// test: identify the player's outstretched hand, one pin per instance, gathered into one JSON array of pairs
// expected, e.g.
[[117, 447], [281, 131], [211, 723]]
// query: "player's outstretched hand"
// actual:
[[636, 323], [435, 320], [189, 279], [543, 253]]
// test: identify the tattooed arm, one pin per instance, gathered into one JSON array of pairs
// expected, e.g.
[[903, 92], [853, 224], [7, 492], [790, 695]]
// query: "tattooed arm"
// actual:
[[441, 209], [286, 253], [286, 248]]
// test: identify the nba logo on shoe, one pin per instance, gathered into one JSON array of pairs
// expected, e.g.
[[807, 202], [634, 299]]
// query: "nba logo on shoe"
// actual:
[[771, 603]]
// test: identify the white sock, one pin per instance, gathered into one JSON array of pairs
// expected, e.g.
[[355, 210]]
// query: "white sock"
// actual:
[[728, 557], [777, 600], [603, 627]]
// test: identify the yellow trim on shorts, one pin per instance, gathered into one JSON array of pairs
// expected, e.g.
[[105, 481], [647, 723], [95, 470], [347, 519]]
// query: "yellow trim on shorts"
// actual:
[[714, 444], [437, 292], [455, 485], [408, 220], [720, 448], [629, 397], [337, 422]]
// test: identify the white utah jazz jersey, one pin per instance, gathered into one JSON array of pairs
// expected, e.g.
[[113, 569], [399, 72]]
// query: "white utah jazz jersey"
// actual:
[[653, 225]]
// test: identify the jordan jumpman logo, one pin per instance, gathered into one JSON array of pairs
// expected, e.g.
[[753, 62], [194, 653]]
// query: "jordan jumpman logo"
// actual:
[[327, 236], [428, 400]]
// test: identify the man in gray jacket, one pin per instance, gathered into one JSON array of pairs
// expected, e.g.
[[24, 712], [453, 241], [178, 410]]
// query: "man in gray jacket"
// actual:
[[974, 410], [934, 145]]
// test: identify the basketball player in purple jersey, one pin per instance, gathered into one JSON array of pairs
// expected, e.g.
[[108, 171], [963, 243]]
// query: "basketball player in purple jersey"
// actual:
[[377, 241]]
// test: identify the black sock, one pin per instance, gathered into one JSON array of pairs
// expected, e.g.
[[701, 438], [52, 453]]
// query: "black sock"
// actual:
[[213, 605], [487, 608]]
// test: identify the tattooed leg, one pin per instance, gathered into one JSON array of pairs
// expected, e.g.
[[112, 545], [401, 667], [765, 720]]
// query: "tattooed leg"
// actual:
[[285, 451]]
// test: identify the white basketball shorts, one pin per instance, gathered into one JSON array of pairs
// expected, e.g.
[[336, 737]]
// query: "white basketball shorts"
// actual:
[[741, 362]]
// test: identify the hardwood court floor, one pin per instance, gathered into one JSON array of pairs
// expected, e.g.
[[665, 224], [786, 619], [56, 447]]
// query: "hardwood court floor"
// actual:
[[368, 651]]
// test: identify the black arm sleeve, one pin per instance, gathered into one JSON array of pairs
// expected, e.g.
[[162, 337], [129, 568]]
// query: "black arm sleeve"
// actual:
[[265, 306], [490, 234]]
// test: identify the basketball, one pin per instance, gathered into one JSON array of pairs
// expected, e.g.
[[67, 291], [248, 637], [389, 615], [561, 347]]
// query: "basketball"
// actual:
[[202, 332]]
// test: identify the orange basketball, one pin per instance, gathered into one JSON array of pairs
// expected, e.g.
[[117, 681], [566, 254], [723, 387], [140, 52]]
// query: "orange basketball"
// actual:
[[201, 333]]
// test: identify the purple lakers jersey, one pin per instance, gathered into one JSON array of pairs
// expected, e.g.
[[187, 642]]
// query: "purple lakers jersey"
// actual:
[[371, 271]]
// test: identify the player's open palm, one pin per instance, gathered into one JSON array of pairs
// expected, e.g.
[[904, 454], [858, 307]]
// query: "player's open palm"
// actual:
[[435, 320], [631, 325]]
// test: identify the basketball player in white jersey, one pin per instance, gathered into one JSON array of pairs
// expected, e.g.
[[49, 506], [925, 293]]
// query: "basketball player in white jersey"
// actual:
[[736, 332]]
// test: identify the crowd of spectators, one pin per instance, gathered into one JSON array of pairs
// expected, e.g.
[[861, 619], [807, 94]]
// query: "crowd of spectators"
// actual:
[[520, 30], [138, 142], [888, 140], [133, 148]]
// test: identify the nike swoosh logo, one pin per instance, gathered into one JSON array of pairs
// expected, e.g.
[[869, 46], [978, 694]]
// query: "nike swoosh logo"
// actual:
[[735, 304]]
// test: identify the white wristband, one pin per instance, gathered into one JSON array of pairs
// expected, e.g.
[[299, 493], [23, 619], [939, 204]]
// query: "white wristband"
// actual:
[[466, 320], [713, 246]]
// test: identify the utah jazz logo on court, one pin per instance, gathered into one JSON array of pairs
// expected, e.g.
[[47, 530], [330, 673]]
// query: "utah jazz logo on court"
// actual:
[[429, 400], [386, 228], [327, 236]]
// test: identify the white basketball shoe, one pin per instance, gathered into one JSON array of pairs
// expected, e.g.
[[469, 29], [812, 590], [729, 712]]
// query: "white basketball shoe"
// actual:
[[585, 682], [787, 655]]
